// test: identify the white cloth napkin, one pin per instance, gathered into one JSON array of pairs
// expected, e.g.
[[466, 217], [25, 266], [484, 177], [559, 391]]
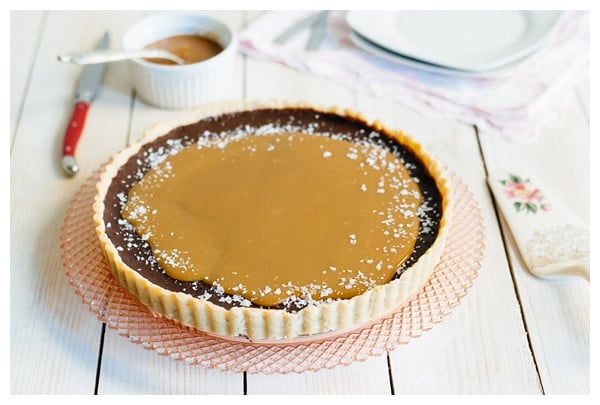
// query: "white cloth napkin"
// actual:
[[516, 105]]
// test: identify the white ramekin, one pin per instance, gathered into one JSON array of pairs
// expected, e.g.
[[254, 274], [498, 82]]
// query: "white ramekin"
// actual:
[[184, 86]]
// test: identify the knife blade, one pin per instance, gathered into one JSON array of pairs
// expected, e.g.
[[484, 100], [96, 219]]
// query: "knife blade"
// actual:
[[87, 88]]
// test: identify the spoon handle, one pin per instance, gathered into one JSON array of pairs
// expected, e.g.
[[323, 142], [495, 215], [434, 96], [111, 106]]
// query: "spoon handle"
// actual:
[[92, 57]]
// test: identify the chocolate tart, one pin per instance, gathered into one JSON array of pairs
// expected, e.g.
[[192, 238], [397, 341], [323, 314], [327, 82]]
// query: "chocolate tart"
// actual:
[[272, 220]]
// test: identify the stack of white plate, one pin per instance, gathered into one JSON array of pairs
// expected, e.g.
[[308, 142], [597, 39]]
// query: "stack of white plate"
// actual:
[[468, 43]]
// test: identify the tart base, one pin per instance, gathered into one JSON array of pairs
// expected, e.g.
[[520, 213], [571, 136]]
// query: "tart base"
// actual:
[[259, 323]]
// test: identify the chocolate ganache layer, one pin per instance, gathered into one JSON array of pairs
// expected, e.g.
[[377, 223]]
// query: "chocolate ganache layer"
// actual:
[[137, 253]]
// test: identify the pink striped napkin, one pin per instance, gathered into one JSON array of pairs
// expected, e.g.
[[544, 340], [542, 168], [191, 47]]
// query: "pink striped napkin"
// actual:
[[515, 105]]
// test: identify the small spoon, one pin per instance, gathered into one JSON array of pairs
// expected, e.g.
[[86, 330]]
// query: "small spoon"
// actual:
[[92, 57]]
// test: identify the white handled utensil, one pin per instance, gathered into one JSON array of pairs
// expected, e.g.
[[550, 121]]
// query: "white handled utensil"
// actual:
[[552, 239], [103, 56]]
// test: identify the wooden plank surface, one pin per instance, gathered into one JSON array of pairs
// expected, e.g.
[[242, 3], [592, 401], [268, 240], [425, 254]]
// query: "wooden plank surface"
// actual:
[[469, 336], [512, 334], [272, 81], [556, 312], [22, 55], [128, 368], [54, 339]]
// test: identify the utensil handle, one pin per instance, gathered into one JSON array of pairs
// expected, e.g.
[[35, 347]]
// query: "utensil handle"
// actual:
[[298, 26], [107, 55], [72, 135], [318, 33]]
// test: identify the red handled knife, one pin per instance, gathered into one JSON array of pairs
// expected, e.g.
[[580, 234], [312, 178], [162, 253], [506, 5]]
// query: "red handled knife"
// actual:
[[89, 84]]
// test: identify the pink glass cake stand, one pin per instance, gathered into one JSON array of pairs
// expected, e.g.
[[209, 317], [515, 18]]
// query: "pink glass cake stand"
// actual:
[[93, 281]]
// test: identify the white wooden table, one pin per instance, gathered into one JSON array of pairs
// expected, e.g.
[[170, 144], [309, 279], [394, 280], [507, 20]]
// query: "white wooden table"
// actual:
[[513, 333]]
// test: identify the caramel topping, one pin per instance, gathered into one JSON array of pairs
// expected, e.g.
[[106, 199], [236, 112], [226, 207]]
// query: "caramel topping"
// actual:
[[279, 216], [190, 48]]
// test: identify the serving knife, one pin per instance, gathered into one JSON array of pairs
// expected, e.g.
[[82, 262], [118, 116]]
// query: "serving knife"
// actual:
[[89, 84]]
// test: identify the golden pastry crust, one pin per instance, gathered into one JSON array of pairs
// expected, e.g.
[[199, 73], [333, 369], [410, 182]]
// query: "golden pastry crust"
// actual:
[[263, 323]]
